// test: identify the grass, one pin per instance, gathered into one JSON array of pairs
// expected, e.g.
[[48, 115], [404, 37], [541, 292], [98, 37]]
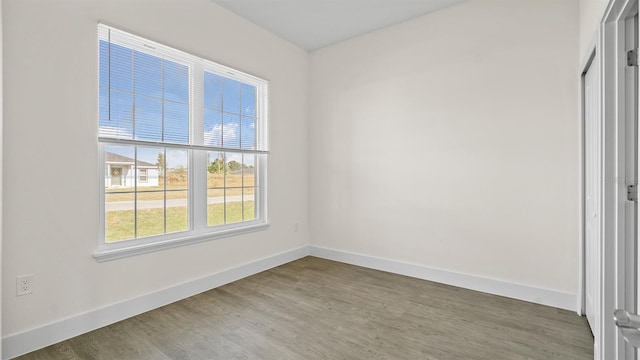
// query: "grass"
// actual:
[[120, 224]]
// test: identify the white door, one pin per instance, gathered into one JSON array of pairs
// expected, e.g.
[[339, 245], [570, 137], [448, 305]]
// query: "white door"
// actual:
[[631, 179], [628, 294], [631, 91], [593, 171], [619, 34], [116, 176]]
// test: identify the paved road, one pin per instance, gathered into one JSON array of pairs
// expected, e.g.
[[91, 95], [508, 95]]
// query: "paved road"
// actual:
[[158, 204]]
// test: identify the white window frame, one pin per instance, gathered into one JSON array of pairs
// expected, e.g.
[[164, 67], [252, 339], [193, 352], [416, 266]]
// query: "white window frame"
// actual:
[[198, 230], [145, 173]]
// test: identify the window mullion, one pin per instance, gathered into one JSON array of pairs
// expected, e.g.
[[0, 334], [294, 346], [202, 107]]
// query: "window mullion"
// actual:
[[198, 168]]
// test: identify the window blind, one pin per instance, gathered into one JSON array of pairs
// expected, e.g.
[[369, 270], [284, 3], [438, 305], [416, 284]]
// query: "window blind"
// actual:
[[146, 96]]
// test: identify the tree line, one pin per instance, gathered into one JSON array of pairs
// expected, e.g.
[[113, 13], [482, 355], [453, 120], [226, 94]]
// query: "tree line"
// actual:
[[216, 166]]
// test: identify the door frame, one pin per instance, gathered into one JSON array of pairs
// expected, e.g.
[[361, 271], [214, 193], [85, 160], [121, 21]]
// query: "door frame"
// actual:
[[616, 268], [590, 63]]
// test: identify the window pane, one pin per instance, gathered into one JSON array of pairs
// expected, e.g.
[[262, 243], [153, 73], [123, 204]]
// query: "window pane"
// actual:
[[216, 168], [249, 170], [176, 82], [150, 197], [176, 122], [119, 163], [212, 128], [233, 206], [212, 91], [233, 188], [148, 121], [234, 169], [119, 195], [248, 132], [231, 96], [177, 186], [248, 100], [103, 111], [121, 71], [150, 160], [150, 213], [119, 219], [119, 121], [215, 207], [230, 131], [104, 64], [248, 204], [135, 182], [177, 211], [177, 169], [148, 75]]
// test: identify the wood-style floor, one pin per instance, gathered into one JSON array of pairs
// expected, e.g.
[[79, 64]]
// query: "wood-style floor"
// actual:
[[319, 309]]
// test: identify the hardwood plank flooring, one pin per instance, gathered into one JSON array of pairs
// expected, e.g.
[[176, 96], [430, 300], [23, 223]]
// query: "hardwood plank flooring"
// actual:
[[320, 309]]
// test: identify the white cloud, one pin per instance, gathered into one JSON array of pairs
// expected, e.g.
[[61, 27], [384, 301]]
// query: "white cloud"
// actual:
[[218, 132], [234, 157], [176, 158]]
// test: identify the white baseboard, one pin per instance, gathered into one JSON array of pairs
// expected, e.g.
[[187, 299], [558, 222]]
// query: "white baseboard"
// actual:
[[532, 294], [37, 338], [30, 340]]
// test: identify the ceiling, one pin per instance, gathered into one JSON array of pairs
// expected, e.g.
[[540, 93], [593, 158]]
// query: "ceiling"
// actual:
[[312, 24]]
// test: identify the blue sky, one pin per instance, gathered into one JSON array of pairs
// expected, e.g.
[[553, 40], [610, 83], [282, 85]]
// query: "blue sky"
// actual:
[[145, 97]]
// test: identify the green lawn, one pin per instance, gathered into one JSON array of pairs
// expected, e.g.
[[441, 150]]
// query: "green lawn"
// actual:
[[120, 224]]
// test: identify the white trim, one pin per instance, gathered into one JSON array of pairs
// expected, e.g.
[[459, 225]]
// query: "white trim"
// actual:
[[127, 39], [586, 63], [139, 249], [532, 294], [590, 63], [148, 143], [611, 345], [37, 338], [591, 49]]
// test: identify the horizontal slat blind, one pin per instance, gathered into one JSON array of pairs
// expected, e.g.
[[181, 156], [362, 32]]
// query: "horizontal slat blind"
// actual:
[[145, 93], [146, 97]]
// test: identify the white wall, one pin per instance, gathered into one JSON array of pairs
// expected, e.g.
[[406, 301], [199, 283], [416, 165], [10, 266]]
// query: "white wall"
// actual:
[[591, 12], [51, 220], [429, 143], [451, 141]]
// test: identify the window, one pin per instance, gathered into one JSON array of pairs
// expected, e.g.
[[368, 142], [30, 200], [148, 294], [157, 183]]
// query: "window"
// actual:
[[191, 131], [143, 175]]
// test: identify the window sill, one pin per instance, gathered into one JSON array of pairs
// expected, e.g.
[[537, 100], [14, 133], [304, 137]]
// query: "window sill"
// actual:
[[103, 255]]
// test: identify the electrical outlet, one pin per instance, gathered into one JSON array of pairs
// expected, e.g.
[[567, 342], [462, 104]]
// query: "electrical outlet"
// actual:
[[24, 285]]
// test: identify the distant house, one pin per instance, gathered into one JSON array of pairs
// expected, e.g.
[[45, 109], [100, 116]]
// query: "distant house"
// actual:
[[120, 172]]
